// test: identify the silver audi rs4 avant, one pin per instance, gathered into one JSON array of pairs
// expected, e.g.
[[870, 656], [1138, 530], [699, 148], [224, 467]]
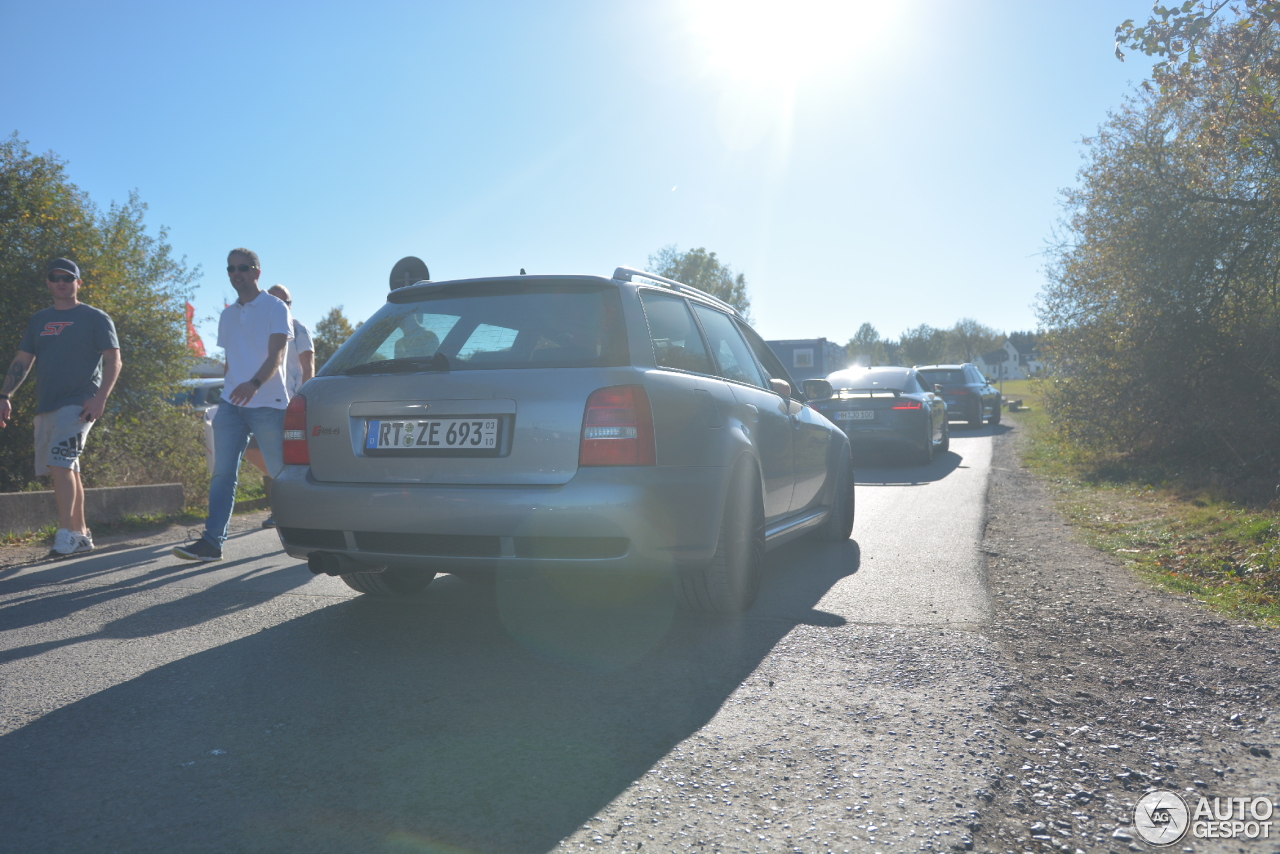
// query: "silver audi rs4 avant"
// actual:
[[621, 424]]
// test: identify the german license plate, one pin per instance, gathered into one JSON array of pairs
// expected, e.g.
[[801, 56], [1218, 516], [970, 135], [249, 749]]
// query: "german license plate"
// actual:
[[856, 415], [457, 434]]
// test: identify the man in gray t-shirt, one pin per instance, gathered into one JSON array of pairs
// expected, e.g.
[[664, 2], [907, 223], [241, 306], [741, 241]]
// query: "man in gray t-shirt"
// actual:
[[77, 359]]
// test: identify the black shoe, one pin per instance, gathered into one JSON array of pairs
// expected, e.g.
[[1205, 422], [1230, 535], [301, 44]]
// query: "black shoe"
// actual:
[[269, 522], [201, 549]]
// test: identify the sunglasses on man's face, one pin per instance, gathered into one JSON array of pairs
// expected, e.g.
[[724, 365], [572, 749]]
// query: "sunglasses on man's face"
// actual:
[[243, 268], [55, 277]]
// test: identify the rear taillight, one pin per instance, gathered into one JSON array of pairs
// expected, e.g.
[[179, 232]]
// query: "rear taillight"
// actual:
[[295, 433], [617, 428], [906, 404]]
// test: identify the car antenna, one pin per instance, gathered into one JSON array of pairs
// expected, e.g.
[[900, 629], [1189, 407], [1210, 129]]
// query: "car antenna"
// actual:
[[522, 272]]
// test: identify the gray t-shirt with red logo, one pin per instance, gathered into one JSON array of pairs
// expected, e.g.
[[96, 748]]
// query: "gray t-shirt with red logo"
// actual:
[[68, 345]]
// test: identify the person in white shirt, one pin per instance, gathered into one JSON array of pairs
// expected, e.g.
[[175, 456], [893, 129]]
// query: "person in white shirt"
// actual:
[[299, 366], [254, 332]]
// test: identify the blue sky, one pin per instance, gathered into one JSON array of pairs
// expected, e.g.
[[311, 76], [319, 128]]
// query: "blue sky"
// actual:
[[896, 163]]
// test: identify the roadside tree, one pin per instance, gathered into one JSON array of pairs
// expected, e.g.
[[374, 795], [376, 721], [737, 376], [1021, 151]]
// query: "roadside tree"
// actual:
[[703, 270], [923, 345], [866, 347], [330, 334], [969, 339], [1162, 298], [128, 273]]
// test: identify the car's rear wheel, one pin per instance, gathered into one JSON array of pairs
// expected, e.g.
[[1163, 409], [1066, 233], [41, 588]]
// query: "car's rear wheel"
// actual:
[[995, 418], [975, 419], [390, 582], [730, 581], [924, 455], [839, 524]]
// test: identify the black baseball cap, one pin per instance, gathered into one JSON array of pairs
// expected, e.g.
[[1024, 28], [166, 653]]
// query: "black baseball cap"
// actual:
[[64, 264]]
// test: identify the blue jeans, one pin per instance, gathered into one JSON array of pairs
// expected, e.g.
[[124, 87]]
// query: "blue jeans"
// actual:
[[231, 428]]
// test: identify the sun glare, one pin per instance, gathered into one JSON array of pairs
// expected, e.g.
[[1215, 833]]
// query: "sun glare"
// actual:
[[778, 45]]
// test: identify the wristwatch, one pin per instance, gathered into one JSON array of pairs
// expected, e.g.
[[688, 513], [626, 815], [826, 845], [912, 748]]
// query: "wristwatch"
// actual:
[[257, 383], [4, 397]]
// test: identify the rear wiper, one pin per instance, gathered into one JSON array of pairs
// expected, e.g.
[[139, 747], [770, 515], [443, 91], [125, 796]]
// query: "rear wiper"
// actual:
[[438, 362]]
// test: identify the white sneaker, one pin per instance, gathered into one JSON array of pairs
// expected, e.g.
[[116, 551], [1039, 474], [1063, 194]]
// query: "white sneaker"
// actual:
[[84, 543], [65, 542]]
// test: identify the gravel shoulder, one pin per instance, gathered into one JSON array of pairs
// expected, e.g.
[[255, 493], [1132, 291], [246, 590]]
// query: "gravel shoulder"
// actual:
[[1114, 689]]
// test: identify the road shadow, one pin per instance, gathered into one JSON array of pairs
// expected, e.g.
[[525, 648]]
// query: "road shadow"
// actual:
[[63, 588], [473, 717], [891, 470], [960, 428]]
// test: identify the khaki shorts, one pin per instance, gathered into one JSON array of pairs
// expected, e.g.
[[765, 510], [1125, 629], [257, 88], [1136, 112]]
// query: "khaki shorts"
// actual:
[[60, 436]]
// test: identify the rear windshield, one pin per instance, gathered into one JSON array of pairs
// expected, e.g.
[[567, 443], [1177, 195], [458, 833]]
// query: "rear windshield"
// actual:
[[872, 379], [490, 326], [945, 377]]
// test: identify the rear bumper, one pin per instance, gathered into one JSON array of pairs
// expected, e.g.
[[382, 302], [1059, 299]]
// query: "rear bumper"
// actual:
[[607, 519], [967, 409], [900, 435]]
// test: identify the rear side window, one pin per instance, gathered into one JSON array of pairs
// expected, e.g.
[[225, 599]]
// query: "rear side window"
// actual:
[[490, 326], [676, 342], [731, 353], [772, 366]]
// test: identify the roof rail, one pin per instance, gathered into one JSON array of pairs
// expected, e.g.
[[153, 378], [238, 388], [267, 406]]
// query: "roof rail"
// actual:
[[630, 274]]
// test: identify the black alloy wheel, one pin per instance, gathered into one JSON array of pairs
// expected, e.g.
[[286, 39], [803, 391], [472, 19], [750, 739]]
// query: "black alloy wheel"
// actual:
[[839, 524]]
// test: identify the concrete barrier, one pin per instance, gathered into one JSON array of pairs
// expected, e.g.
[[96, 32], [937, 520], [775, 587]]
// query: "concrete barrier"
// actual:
[[21, 512]]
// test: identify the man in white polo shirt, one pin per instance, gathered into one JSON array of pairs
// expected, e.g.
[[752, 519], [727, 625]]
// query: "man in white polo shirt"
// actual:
[[253, 332]]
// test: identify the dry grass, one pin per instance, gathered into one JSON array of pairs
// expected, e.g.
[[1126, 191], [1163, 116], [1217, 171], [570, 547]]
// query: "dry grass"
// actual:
[[1179, 527]]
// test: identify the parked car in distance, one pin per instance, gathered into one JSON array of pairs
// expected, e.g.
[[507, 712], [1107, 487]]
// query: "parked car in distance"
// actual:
[[970, 396], [615, 424], [884, 409], [200, 393]]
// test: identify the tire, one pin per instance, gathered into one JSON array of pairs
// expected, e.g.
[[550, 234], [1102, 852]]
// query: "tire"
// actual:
[[975, 420], [839, 525], [924, 456], [390, 582], [729, 582], [945, 444], [995, 419]]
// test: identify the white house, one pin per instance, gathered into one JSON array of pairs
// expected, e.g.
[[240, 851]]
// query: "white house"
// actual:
[[1008, 364]]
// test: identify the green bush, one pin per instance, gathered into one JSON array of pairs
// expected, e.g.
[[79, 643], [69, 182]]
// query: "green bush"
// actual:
[[164, 446]]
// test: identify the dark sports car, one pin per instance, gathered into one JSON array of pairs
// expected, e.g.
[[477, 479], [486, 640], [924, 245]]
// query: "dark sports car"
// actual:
[[884, 408]]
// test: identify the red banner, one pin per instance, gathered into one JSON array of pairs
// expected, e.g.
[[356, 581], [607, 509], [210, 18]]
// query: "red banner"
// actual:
[[193, 338]]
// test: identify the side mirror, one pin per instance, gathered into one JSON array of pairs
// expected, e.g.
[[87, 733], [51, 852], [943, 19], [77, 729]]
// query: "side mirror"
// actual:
[[816, 389], [781, 387]]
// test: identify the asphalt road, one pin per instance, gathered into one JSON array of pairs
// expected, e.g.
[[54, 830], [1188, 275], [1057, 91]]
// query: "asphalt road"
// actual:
[[147, 704]]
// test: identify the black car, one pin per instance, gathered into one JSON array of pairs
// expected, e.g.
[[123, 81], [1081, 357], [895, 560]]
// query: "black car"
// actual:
[[970, 396], [881, 409]]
